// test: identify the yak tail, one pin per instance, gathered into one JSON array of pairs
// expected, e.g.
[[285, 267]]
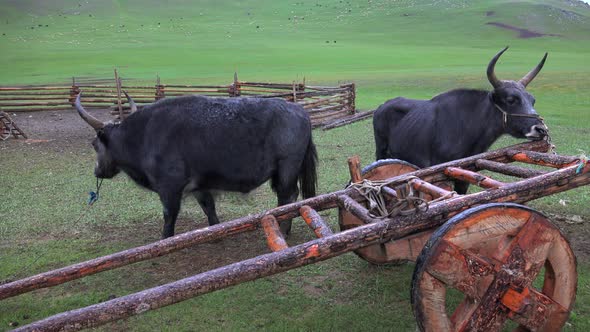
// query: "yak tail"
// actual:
[[308, 175]]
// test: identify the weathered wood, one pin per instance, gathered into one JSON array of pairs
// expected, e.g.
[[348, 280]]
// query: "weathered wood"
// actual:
[[348, 120], [331, 99], [272, 231], [329, 102], [352, 206], [163, 247], [60, 103], [60, 97], [118, 86], [391, 251], [473, 178], [320, 122], [258, 267], [313, 219], [376, 231], [435, 173], [543, 159], [430, 189], [29, 109], [512, 170], [317, 111], [354, 169], [493, 254], [34, 87]]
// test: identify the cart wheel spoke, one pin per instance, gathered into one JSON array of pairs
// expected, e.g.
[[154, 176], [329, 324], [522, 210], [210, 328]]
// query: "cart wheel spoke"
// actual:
[[493, 255]]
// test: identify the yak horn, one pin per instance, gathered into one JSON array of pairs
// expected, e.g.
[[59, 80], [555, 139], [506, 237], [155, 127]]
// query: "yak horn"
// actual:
[[531, 75], [92, 121], [491, 66], [131, 103]]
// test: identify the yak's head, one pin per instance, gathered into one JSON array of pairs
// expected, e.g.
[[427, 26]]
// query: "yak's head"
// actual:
[[106, 167], [515, 105]]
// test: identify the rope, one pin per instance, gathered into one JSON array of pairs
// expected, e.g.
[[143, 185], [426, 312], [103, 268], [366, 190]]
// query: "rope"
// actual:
[[93, 197], [380, 207], [536, 116]]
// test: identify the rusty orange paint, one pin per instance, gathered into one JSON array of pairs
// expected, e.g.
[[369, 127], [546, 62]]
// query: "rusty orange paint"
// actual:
[[313, 251], [516, 301], [315, 222], [274, 237], [542, 159], [429, 188], [473, 177]]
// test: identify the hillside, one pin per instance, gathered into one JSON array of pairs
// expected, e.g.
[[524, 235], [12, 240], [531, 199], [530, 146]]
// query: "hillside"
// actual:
[[320, 39]]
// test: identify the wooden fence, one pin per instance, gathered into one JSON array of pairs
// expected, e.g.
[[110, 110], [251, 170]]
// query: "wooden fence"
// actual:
[[323, 103]]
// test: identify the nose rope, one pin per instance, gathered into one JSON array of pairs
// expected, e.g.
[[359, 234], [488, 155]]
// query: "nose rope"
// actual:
[[506, 114], [536, 116]]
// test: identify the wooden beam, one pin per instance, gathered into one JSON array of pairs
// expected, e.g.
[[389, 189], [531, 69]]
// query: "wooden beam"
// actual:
[[506, 169], [313, 219], [272, 231], [473, 178], [543, 159]]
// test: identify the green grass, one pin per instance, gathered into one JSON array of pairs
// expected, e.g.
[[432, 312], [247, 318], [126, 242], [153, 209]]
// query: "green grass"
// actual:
[[388, 48]]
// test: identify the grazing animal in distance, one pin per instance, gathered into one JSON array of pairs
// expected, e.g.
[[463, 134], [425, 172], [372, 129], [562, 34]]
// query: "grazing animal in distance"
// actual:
[[201, 144], [458, 123]]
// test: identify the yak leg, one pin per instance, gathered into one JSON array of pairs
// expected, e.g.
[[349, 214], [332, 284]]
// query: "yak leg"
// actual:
[[284, 183], [461, 187], [284, 199], [381, 148], [207, 203], [171, 203]]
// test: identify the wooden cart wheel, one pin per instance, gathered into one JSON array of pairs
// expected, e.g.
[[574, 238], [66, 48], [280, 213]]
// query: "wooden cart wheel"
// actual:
[[508, 261], [397, 251]]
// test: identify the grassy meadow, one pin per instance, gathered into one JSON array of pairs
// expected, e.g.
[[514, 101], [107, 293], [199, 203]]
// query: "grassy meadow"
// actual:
[[388, 48]]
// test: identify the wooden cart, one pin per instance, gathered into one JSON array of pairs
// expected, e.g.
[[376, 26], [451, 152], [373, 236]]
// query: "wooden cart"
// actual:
[[508, 260]]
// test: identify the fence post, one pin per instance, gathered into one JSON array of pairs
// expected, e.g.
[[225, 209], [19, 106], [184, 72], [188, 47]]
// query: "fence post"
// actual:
[[351, 97], [159, 89], [234, 88], [302, 88], [119, 104], [74, 91]]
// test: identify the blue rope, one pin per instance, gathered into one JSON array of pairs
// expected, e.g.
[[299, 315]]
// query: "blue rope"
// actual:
[[93, 196], [583, 163]]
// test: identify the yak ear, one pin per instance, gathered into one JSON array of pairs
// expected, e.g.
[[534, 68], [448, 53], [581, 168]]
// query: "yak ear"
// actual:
[[102, 136]]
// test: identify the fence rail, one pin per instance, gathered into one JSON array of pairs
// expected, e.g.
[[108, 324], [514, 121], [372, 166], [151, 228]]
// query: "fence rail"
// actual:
[[323, 103]]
